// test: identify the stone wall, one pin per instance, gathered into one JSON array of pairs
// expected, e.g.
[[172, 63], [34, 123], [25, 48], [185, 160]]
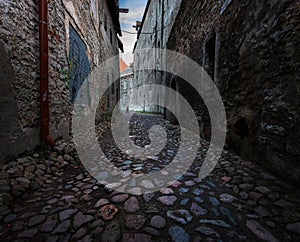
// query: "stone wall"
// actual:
[[20, 44], [249, 48], [19, 47], [126, 83]]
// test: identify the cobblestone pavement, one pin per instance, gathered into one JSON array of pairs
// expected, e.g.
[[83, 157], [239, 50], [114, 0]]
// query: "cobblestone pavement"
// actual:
[[239, 201]]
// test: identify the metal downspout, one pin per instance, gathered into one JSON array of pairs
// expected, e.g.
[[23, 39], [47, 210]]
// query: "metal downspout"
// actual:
[[44, 80]]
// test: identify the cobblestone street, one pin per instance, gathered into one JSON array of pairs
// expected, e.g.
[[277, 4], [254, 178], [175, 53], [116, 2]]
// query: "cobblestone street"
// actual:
[[49, 196]]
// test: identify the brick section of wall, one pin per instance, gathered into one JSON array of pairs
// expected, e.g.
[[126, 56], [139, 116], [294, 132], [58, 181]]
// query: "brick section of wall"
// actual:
[[256, 69]]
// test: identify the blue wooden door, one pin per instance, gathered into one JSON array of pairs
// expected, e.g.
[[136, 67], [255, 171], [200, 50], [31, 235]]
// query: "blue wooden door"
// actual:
[[79, 68]]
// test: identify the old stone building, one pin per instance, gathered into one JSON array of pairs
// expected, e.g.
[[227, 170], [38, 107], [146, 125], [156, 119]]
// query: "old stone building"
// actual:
[[154, 32], [126, 86], [249, 48], [81, 35]]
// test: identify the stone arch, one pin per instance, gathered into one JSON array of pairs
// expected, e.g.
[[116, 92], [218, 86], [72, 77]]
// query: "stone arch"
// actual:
[[243, 125]]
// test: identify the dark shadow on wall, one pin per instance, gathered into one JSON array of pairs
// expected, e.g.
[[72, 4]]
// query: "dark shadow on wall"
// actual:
[[13, 141], [9, 123]]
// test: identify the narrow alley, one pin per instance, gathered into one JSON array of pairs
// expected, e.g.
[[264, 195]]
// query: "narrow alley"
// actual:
[[149, 120]]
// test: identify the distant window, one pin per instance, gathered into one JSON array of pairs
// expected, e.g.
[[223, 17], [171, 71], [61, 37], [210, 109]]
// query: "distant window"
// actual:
[[107, 94], [105, 22], [112, 88], [210, 56], [117, 91], [110, 36]]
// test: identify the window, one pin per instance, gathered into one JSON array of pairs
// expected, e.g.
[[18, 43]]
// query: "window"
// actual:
[[210, 56], [105, 22], [107, 94], [110, 36], [113, 88], [117, 98]]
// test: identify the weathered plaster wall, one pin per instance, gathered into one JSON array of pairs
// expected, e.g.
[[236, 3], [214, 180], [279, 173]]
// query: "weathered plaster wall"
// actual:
[[250, 49], [154, 33], [126, 82]]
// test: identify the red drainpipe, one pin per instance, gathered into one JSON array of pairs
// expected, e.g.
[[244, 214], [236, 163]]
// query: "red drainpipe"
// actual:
[[44, 80]]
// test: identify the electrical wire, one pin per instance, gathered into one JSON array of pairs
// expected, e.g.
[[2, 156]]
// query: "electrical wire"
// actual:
[[135, 33]]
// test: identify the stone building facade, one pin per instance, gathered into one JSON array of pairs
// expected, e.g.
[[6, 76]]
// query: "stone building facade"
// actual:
[[154, 32], [249, 48], [126, 86], [82, 34]]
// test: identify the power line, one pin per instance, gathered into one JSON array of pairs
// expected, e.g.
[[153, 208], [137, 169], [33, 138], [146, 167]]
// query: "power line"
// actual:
[[128, 32]]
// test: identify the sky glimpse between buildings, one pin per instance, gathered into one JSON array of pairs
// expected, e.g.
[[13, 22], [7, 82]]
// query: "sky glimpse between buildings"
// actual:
[[136, 11]]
